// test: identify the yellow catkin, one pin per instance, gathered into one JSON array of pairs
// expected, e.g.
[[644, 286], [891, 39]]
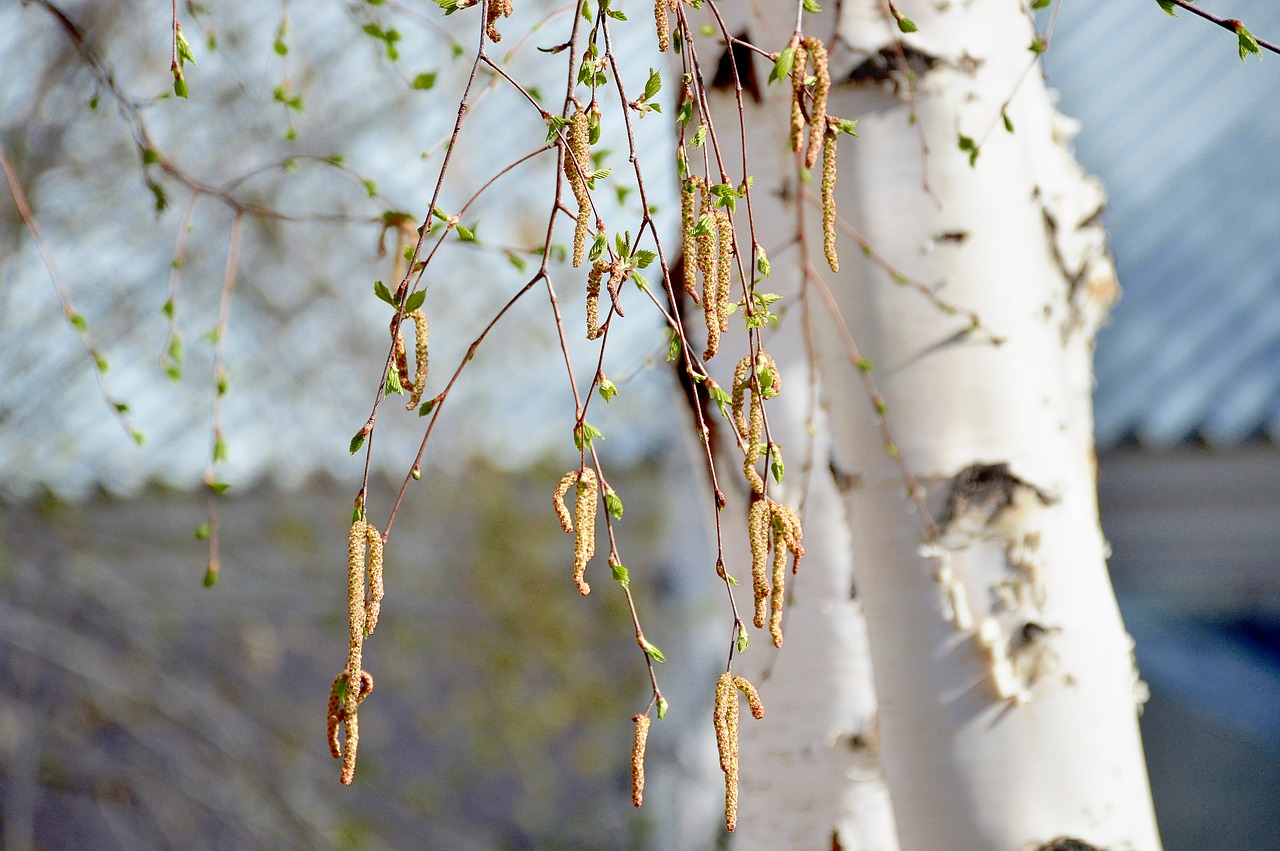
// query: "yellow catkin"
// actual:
[[829, 201], [577, 163], [637, 756], [584, 515], [593, 300], [376, 589], [724, 696], [798, 74], [777, 595], [562, 488], [821, 88], [755, 443], [756, 705], [724, 266], [758, 536], [788, 523], [664, 34], [687, 220], [725, 718], [415, 387], [741, 380], [357, 546]]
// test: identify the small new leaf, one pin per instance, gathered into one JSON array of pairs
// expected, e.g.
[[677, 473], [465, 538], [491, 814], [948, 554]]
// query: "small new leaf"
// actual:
[[620, 574], [662, 708], [654, 653], [782, 67], [653, 85], [381, 291], [414, 301], [425, 81], [743, 641], [907, 25], [203, 531], [613, 503], [1248, 44], [1168, 7], [357, 442], [607, 390]]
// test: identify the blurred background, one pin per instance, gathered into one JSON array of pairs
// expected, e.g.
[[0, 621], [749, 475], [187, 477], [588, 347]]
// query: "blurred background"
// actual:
[[142, 710]]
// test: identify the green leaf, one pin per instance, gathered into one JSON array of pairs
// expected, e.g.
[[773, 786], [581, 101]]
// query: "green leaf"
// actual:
[[393, 383], [613, 503], [1008, 122], [662, 708], [597, 246], [280, 47], [906, 25], [673, 348], [1038, 45], [721, 398], [608, 390], [100, 362], [210, 577], [812, 6], [654, 653], [219, 451], [776, 465], [217, 487], [653, 85], [743, 641], [584, 434], [1041, 4], [1248, 44], [414, 301], [381, 291], [427, 407], [782, 66], [425, 81], [866, 364], [1168, 7], [762, 262], [203, 531], [465, 234], [180, 85], [370, 187], [700, 136], [848, 126], [966, 144], [685, 112], [643, 258], [620, 574], [357, 441]]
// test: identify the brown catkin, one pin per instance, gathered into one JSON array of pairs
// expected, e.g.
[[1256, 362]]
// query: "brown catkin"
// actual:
[[577, 162], [798, 75], [562, 488], [357, 546], [637, 756], [788, 522], [758, 536], [821, 88], [664, 34], [829, 201], [495, 9], [344, 697], [593, 300], [741, 380], [584, 515]]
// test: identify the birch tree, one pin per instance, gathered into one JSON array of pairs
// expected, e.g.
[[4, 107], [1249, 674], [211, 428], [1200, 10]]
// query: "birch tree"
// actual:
[[1006, 696], [888, 266]]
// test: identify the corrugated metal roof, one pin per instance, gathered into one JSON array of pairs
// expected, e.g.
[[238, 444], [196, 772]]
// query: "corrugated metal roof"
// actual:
[[1187, 141]]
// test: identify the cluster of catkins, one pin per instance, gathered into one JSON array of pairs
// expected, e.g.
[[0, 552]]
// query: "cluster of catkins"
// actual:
[[353, 684]]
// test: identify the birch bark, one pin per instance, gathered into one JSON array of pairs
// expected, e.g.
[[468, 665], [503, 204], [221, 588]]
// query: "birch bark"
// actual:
[[979, 692]]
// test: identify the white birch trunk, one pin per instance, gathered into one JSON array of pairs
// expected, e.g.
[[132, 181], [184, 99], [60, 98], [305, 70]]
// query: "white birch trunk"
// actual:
[[989, 734]]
